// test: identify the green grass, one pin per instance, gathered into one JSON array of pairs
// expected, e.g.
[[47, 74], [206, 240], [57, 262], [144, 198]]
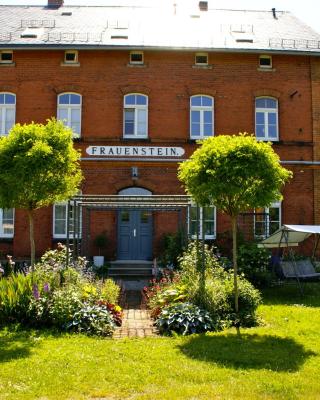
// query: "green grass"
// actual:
[[277, 360]]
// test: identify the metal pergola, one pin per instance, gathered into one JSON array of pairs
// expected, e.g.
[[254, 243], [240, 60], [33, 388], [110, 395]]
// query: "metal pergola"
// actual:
[[78, 240]]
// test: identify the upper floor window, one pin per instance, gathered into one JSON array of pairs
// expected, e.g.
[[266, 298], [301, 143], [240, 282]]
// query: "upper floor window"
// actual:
[[267, 119], [7, 112], [201, 117], [201, 59], [205, 220], [265, 61], [267, 220], [6, 57], [69, 111], [71, 56], [135, 116], [6, 222], [136, 57]]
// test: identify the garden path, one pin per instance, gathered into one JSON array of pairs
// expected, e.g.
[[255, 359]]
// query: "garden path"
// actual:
[[136, 319]]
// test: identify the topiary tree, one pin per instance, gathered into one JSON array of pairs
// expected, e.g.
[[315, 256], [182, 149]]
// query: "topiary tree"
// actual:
[[38, 167], [236, 174]]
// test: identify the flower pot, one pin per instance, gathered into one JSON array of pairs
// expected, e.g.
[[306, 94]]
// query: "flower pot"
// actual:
[[98, 261]]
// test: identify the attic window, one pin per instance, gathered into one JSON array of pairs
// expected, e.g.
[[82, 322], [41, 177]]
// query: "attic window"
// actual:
[[265, 61], [244, 40], [201, 59], [31, 33], [71, 56], [6, 56], [136, 57]]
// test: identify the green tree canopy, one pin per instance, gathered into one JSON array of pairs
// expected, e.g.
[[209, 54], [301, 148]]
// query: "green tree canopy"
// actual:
[[38, 167], [235, 174]]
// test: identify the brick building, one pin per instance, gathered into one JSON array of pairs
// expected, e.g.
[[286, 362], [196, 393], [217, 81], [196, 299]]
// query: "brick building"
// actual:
[[139, 86]]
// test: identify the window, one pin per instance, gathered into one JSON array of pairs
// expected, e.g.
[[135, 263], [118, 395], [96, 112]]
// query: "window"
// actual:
[[207, 221], [267, 220], [7, 112], [71, 56], [6, 57], [267, 119], [201, 117], [60, 220], [136, 57], [201, 59], [6, 223], [135, 116], [69, 111], [265, 61]]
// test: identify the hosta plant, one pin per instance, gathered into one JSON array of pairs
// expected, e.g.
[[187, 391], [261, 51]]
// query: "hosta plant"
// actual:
[[184, 318], [92, 320]]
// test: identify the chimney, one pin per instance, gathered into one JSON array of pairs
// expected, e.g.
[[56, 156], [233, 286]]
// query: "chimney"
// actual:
[[55, 3], [203, 5]]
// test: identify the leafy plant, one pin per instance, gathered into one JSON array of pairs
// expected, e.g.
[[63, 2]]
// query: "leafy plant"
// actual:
[[110, 291], [100, 241], [254, 263], [184, 318], [172, 246], [65, 302], [92, 319], [167, 296], [115, 310]]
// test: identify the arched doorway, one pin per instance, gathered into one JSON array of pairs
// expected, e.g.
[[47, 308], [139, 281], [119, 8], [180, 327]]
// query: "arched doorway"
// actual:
[[134, 229]]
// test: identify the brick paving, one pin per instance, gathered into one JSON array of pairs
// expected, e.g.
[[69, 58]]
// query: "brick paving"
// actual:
[[136, 320]]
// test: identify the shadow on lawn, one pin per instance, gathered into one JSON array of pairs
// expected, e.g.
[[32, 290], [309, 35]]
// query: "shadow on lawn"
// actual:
[[14, 345], [289, 294], [248, 351]]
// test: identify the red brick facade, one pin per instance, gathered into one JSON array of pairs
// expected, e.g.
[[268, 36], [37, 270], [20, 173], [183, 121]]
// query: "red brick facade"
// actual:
[[168, 78]]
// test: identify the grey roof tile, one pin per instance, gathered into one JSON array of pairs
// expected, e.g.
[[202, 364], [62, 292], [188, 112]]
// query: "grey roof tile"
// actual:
[[143, 27]]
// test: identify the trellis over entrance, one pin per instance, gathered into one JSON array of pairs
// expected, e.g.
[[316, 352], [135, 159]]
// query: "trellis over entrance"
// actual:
[[78, 239]]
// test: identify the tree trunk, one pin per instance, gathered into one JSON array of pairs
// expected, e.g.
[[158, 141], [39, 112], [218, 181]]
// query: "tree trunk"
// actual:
[[235, 271], [32, 243]]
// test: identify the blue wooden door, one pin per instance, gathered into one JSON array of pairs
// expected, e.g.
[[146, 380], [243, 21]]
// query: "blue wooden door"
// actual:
[[134, 235]]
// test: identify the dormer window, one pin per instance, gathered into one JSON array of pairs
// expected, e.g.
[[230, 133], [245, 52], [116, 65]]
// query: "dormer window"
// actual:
[[136, 57], [201, 59], [6, 57], [265, 61], [71, 56]]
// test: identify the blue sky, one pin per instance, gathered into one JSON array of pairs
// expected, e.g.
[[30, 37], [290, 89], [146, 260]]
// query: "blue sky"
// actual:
[[306, 10]]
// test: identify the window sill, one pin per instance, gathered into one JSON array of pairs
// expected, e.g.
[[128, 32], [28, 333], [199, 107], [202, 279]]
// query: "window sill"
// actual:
[[266, 69], [137, 65], [126, 139], [209, 66], [74, 64], [267, 140], [4, 64]]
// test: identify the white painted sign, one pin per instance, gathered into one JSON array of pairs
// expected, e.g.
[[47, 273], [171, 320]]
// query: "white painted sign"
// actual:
[[135, 151]]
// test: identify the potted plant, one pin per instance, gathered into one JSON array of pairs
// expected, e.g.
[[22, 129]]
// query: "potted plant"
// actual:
[[100, 241]]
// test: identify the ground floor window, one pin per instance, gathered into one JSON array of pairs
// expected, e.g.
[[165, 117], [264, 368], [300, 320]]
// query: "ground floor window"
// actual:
[[267, 220], [60, 220], [207, 222], [7, 222]]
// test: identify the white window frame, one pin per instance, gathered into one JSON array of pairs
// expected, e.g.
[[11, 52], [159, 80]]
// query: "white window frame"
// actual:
[[266, 112], [6, 61], [201, 55], [75, 61], [268, 221], [2, 234], [64, 235], [265, 56], [202, 109], [207, 237], [69, 108], [3, 110], [136, 62], [136, 108]]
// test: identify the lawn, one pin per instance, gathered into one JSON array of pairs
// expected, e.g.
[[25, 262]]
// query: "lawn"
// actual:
[[277, 360]]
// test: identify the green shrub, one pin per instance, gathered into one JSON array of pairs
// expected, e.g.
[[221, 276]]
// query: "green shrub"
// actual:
[[172, 246], [216, 293], [254, 263], [65, 302], [176, 293], [110, 291], [92, 320], [184, 318]]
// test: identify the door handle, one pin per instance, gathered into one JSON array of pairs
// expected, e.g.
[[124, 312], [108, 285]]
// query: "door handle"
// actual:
[[134, 233]]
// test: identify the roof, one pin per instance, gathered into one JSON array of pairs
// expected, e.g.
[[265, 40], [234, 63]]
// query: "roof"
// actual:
[[161, 28], [290, 235]]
